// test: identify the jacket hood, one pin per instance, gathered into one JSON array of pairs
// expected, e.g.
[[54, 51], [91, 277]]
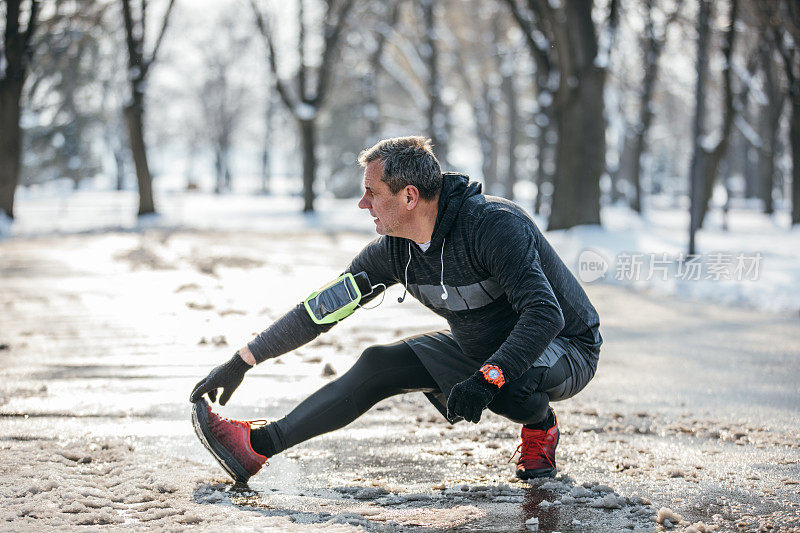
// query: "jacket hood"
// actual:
[[456, 188]]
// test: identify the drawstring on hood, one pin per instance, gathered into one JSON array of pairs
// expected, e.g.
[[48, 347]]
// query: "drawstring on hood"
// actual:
[[455, 189], [405, 283], [441, 282]]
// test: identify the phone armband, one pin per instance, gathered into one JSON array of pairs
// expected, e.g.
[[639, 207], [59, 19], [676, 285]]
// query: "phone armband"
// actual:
[[338, 299]]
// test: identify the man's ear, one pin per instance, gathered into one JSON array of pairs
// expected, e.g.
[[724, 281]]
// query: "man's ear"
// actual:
[[411, 196]]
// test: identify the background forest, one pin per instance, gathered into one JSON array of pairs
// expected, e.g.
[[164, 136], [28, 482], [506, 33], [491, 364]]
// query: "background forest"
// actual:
[[563, 106]]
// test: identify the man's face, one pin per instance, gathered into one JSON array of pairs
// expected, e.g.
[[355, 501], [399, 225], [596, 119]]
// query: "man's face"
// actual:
[[388, 209]]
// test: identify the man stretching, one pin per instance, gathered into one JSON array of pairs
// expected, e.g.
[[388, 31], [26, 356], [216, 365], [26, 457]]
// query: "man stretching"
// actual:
[[522, 330]]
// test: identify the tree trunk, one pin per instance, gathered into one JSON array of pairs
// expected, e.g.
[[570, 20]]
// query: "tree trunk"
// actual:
[[226, 160], [266, 160], [711, 166], [543, 81], [510, 97], [580, 156], [486, 132], [626, 170], [191, 151], [223, 166], [309, 104], [119, 162], [766, 156], [266, 169], [134, 116], [438, 120], [751, 157], [10, 142], [769, 124], [726, 207], [749, 154], [218, 172], [544, 153], [372, 111], [14, 58], [371, 102], [697, 171], [307, 138], [645, 117], [794, 138]]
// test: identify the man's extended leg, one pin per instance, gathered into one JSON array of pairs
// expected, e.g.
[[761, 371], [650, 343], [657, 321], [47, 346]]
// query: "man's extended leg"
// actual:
[[380, 372]]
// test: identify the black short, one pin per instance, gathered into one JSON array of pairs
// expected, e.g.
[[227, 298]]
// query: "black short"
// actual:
[[564, 369]]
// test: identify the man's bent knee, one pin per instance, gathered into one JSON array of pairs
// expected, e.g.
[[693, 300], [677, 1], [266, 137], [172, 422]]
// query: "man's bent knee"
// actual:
[[527, 409], [374, 357]]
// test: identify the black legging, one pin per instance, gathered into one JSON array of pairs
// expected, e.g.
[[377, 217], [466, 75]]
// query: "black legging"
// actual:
[[388, 370], [380, 372]]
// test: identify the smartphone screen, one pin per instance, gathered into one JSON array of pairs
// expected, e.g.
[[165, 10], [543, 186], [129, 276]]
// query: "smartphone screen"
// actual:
[[333, 298]]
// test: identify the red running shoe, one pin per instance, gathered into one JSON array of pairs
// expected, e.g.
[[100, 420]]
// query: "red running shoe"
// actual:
[[228, 441], [538, 453]]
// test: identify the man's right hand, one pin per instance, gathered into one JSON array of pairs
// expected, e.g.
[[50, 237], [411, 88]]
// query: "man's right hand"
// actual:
[[227, 376]]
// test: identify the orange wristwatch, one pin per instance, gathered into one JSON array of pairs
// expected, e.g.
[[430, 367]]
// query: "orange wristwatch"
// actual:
[[493, 375]]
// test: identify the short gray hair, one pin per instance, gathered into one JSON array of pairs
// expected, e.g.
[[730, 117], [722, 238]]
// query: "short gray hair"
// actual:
[[406, 161]]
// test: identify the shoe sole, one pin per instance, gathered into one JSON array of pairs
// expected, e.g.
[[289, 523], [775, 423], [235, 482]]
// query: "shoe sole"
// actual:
[[535, 474], [225, 458]]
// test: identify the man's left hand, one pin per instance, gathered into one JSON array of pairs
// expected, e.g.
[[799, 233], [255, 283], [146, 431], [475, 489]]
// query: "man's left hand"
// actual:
[[470, 397]]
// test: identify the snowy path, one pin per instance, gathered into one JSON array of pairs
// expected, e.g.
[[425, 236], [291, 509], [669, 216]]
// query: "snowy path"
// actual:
[[102, 336]]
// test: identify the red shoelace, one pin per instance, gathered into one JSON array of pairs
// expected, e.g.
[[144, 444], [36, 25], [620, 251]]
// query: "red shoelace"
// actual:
[[532, 447], [219, 420]]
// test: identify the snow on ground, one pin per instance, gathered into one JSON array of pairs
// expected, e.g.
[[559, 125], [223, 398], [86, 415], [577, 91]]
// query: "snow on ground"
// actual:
[[108, 321], [104, 333], [756, 263]]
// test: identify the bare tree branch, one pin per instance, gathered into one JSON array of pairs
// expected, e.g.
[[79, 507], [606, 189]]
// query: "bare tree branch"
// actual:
[[791, 19], [410, 53], [31, 25], [786, 56], [133, 59], [143, 22], [17, 46], [12, 26], [331, 41], [542, 59], [12, 48], [727, 50], [674, 15], [384, 30], [273, 63], [301, 51], [153, 55], [563, 46]]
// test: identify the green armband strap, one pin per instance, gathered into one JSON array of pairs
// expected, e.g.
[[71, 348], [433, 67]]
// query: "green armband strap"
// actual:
[[338, 299]]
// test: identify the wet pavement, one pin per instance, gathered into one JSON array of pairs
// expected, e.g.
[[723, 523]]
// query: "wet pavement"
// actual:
[[694, 411]]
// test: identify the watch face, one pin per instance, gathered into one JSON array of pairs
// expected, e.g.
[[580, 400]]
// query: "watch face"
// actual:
[[494, 373]]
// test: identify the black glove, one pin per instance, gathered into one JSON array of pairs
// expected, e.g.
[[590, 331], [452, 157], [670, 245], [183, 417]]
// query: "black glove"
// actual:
[[228, 376], [470, 397]]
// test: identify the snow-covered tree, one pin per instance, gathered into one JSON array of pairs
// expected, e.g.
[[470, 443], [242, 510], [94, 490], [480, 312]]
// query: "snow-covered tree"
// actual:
[[304, 91], [15, 54], [139, 66], [68, 99], [563, 36]]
